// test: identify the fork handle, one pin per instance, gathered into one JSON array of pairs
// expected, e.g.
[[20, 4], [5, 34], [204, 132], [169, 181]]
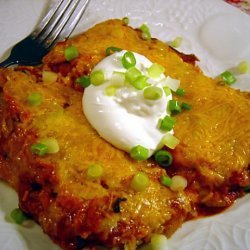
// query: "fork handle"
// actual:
[[26, 52], [8, 62]]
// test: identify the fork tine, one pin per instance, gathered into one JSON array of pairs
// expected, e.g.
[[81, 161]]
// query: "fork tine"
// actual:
[[64, 21], [48, 18], [54, 20], [74, 19], [61, 24]]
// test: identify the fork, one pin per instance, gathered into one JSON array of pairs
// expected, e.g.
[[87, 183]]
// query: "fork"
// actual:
[[58, 24]]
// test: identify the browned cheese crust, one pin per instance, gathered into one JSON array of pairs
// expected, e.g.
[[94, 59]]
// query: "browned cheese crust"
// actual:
[[75, 211]]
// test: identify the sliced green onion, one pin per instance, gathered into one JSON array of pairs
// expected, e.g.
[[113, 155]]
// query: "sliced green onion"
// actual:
[[111, 90], [128, 60], [185, 106], [228, 77], [118, 78], [139, 153], [152, 93], [167, 123], [166, 181], [97, 77], [83, 81], [125, 20], [34, 99], [167, 91], [71, 53], [49, 76], [180, 92], [18, 216], [144, 28], [155, 70], [132, 74], [57, 113], [243, 67], [170, 141], [176, 42], [111, 50], [163, 158], [146, 35], [52, 145], [140, 182], [247, 189], [140, 82], [174, 107], [172, 83], [159, 242], [94, 171], [39, 149], [179, 183]]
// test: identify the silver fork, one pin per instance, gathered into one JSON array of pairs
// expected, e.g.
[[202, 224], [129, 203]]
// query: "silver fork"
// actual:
[[58, 24]]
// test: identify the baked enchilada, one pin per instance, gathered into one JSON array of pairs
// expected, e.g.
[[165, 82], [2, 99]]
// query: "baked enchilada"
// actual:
[[84, 191]]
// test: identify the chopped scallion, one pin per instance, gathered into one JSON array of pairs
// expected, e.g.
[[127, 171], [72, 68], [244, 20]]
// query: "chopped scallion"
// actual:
[[155, 70], [243, 67], [140, 82], [111, 90], [228, 77], [176, 42], [144, 28], [128, 60], [83, 81], [97, 77], [170, 141], [179, 183], [117, 78], [172, 83], [51, 143], [185, 106], [94, 171], [131, 74], [34, 99], [71, 53], [167, 90], [140, 182], [125, 20], [163, 158], [152, 93], [139, 153], [167, 123], [111, 50], [174, 107], [180, 92], [146, 35], [49, 76], [166, 181], [159, 242], [39, 149], [18, 216]]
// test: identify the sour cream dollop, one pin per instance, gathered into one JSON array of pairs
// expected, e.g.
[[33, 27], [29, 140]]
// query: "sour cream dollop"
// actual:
[[126, 118]]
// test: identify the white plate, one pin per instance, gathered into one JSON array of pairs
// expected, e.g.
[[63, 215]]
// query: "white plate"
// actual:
[[215, 32]]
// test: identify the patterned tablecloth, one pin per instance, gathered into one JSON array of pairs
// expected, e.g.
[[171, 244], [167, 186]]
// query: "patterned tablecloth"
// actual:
[[244, 5]]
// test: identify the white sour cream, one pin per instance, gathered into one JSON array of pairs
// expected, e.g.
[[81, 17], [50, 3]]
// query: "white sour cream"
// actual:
[[126, 119]]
